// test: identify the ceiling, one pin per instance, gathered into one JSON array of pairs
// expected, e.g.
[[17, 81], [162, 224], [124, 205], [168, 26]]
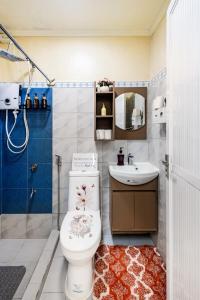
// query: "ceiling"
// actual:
[[82, 17]]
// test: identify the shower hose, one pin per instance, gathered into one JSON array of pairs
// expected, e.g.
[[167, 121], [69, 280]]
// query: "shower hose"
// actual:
[[17, 149]]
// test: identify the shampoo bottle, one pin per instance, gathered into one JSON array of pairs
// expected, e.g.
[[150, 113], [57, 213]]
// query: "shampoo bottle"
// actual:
[[36, 102], [28, 103], [44, 102], [120, 157]]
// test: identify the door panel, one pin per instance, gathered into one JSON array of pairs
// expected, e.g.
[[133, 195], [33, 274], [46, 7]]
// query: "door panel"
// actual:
[[183, 209]]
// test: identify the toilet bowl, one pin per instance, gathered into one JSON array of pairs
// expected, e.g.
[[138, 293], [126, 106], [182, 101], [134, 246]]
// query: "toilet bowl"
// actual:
[[79, 249], [80, 232]]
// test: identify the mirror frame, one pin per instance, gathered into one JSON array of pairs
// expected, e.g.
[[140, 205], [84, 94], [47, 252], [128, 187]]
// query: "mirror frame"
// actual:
[[128, 134]]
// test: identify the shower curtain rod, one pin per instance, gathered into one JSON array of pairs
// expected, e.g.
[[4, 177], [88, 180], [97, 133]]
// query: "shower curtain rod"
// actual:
[[51, 81]]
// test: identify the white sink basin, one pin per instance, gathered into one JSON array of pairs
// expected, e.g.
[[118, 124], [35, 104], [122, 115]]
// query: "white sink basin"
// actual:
[[139, 173]]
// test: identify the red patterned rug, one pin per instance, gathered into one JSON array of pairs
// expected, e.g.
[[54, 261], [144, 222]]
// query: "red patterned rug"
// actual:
[[129, 273]]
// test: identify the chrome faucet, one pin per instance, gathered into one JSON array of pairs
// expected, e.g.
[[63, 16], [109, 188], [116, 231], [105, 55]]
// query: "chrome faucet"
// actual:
[[130, 159]]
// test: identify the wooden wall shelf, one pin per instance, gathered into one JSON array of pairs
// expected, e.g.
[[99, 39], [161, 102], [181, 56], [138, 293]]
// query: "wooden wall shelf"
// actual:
[[104, 92], [109, 116], [104, 122], [108, 122]]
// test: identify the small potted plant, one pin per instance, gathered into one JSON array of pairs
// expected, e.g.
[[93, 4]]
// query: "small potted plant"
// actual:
[[104, 85]]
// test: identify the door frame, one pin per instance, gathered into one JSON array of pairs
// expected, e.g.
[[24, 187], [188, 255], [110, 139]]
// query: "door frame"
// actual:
[[169, 187]]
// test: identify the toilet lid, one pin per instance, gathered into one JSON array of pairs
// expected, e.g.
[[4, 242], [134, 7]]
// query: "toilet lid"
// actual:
[[80, 230]]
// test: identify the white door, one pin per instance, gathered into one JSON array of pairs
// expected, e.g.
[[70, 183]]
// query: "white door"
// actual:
[[183, 214]]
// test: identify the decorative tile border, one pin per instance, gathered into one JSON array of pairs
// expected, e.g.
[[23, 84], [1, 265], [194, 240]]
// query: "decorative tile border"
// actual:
[[57, 84], [83, 84], [26, 84], [35, 85], [132, 83], [90, 84], [158, 77]]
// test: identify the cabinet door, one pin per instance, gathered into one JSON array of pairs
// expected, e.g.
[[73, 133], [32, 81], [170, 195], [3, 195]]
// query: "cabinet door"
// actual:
[[122, 211], [145, 211]]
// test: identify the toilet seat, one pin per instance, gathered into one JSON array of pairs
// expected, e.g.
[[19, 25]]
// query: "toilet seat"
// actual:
[[80, 230]]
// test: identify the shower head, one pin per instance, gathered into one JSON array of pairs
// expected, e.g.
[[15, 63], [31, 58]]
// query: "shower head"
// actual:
[[9, 56]]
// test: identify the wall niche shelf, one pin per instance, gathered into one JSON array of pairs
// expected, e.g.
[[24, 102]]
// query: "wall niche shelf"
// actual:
[[104, 125], [108, 116], [104, 92]]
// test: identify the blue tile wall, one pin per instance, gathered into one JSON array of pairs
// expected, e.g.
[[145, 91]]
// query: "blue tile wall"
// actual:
[[15, 200], [41, 196], [16, 178]]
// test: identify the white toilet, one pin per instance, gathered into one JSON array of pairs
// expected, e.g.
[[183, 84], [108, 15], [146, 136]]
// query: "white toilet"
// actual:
[[80, 232]]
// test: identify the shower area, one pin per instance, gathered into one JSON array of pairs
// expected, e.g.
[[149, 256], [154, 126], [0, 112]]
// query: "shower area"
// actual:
[[26, 177], [26, 152], [26, 219]]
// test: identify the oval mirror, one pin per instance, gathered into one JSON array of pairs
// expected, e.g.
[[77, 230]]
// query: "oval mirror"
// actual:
[[130, 111]]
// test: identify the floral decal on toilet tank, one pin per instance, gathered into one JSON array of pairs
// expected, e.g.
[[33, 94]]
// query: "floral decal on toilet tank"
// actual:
[[84, 196], [81, 225]]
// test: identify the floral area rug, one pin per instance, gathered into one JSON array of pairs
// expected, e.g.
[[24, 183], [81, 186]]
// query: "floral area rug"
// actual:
[[129, 273]]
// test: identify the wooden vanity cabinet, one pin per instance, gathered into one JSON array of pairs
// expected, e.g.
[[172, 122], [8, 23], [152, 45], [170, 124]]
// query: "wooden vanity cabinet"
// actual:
[[127, 207], [133, 209]]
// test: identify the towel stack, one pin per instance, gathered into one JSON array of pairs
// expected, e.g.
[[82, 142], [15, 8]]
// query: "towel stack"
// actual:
[[104, 134]]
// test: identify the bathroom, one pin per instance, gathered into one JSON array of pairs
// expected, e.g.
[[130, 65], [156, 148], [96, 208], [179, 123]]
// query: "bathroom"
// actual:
[[73, 70]]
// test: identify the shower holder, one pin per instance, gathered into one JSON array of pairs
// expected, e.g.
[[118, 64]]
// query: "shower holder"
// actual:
[[22, 106], [33, 168]]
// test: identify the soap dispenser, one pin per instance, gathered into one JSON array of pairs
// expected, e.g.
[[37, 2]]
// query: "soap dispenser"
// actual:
[[120, 157]]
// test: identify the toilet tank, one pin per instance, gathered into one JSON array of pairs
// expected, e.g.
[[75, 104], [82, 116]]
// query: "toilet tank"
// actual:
[[83, 190]]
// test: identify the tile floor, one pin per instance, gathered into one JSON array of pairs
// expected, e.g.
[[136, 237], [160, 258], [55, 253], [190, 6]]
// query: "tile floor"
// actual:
[[136, 240], [54, 286], [26, 252]]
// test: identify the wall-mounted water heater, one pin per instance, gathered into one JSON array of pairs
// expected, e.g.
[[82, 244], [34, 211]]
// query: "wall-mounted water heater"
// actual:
[[10, 96]]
